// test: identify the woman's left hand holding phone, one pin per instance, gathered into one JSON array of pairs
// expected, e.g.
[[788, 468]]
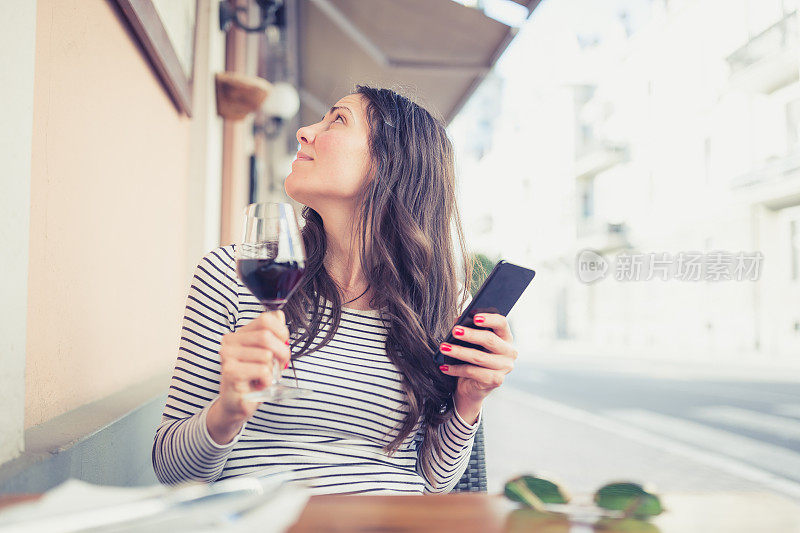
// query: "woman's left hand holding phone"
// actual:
[[484, 371]]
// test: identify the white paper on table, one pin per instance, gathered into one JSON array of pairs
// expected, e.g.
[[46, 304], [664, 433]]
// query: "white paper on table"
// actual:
[[266, 503], [277, 516]]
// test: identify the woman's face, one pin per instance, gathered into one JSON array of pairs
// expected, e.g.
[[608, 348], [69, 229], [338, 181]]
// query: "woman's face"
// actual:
[[333, 161]]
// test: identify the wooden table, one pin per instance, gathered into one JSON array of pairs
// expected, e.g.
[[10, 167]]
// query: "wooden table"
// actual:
[[727, 512], [462, 513]]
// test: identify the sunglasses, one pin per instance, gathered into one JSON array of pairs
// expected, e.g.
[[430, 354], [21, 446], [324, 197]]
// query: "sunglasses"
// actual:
[[620, 499]]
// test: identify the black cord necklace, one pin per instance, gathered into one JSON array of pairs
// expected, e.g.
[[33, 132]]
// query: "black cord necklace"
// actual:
[[357, 297]]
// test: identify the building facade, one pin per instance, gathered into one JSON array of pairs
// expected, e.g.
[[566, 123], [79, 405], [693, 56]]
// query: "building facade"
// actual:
[[677, 136]]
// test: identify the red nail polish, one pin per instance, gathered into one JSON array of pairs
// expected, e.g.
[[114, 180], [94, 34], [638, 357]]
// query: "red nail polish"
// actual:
[[478, 319], [444, 368], [286, 366], [458, 331], [445, 347]]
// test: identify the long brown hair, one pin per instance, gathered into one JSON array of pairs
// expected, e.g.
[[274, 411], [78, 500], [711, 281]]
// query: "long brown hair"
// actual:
[[405, 226]]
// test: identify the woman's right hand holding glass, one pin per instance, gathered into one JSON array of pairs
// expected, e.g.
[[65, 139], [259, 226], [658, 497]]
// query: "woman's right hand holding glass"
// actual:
[[247, 358]]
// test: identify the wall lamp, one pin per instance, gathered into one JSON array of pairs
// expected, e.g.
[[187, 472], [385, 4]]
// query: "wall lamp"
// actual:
[[271, 15], [281, 104]]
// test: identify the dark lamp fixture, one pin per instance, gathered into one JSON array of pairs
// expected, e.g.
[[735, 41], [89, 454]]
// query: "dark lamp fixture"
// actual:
[[271, 15], [270, 127]]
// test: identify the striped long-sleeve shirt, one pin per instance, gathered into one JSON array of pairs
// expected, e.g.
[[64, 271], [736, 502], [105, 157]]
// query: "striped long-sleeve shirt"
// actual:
[[332, 441]]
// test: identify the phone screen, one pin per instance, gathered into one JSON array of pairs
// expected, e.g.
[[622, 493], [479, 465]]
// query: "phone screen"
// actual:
[[498, 294]]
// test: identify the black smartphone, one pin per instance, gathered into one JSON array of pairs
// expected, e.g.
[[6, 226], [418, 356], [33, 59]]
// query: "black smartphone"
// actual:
[[498, 294]]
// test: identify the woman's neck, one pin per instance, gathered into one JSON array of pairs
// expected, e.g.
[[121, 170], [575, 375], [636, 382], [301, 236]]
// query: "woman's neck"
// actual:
[[343, 261]]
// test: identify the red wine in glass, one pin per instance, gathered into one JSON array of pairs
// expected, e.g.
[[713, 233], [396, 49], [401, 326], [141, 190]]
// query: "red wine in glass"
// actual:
[[269, 280]]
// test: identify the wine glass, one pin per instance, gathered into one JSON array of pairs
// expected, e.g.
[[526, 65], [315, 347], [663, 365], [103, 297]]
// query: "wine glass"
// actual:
[[271, 261]]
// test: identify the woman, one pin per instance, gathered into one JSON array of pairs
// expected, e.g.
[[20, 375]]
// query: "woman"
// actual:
[[376, 175]]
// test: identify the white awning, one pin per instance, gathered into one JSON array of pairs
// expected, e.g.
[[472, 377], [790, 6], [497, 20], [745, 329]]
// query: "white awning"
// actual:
[[437, 51]]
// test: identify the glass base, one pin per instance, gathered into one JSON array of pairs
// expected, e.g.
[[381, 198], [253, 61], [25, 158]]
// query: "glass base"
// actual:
[[277, 393]]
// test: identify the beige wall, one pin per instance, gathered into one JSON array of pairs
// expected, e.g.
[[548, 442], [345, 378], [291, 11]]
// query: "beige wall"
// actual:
[[109, 259]]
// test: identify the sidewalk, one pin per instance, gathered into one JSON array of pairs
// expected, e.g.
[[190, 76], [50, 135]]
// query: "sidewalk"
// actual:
[[528, 434], [751, 366]]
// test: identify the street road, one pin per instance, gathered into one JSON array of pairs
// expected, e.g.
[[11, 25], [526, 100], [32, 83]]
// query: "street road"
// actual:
[[741, 432]]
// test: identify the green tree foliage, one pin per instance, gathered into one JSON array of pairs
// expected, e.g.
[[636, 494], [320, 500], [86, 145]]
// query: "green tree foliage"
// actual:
[[481, 266]]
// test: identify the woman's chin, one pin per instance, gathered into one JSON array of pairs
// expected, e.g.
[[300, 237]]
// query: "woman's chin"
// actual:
[[294, 192], [290, 188]]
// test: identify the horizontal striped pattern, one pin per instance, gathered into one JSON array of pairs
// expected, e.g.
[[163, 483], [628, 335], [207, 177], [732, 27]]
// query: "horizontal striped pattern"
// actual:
[[332, 441]]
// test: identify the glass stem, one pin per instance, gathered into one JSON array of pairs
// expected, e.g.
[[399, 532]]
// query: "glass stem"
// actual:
[[276, 372]]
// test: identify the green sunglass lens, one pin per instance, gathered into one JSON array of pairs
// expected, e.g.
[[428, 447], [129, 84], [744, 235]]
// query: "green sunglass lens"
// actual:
[[621, 496], [628, 525], [545, 490]]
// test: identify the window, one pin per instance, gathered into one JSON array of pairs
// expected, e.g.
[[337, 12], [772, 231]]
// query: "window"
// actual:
[[793, 125], [587, 199], [761, 14], [794, 233]]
